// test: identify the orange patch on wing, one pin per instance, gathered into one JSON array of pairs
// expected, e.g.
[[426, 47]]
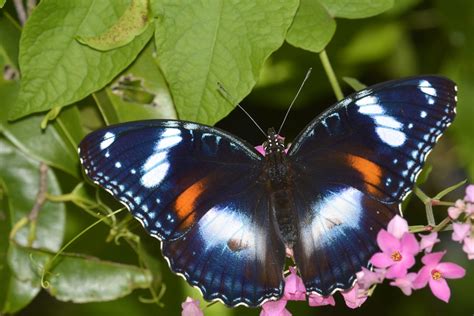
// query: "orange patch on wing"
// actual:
[[185, 203], [371, 172]]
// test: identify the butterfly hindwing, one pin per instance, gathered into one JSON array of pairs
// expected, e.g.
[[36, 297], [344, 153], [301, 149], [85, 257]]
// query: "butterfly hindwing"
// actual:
[[354, 164], [233, 253]]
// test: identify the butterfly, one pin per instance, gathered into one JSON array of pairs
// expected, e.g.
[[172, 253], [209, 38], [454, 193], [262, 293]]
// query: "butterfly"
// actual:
[[227, 216]]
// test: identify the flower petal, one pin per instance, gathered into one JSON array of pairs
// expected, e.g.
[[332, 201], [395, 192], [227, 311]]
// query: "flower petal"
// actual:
[[410, 244], [260, 150], [422, 278], [440, 289], [191, 308], [428, 241], [318, 300], [398, 270], [294, 287], [406, 283], [451, 270], [460, 231], [470, 193], [468, 247], [355, 297], [381, 260], [397, 226], [433, 258], [274, 308], [387, 242]]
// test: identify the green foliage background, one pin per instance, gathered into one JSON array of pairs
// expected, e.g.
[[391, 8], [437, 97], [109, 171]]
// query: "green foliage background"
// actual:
[[78, 65]]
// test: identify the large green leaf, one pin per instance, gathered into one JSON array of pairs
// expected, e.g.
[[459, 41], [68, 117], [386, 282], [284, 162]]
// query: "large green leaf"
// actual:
[[76, 278], [201, 43], [56, 69], [314, 24], [47, 145], [20, 177], [146, 73]]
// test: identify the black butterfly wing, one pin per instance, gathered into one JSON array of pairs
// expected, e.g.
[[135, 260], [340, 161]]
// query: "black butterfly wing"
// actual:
[[354, 164], [233, 253], [177, 177]]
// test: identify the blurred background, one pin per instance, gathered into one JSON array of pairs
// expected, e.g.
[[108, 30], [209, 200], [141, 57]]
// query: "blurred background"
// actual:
[[415, 37]]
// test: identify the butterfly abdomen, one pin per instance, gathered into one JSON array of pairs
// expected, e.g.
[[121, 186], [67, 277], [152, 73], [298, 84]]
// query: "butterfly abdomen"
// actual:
[[278, 173]]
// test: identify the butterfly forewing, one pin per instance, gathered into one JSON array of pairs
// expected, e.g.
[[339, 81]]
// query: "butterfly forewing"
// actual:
[[354, 164]]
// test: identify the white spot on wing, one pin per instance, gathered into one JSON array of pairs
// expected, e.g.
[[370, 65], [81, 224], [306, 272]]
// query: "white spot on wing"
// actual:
[[373, 109], [423, 114], [154, 170], [108, 139], [368, 100], [388, 121], [391, 137], [427, 88]]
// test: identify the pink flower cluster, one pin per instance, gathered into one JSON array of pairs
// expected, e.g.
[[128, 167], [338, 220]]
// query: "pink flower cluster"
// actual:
[[296, 291], [399, 248], [462, 214]]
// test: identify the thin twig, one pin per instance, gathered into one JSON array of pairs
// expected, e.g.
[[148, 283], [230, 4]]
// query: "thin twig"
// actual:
[[39, 202], [41, 195], [20, 11], [331, 75]]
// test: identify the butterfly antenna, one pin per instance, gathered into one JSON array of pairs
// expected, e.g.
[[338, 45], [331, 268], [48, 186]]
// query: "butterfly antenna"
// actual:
[[294, 99], [229, 98]]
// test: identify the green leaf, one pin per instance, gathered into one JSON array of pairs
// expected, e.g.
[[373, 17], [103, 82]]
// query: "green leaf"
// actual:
[[20, 178], [314, 24], [27, 135], [147, 78], [201, 43], [2, 3], [56, 69], [132, 23], [77, 278], [354, 83]]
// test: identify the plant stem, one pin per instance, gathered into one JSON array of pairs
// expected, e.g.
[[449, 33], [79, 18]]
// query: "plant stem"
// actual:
[[331, 75]]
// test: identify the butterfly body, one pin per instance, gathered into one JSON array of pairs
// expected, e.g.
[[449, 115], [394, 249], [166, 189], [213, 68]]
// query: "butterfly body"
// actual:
[[226, 215], [279, 177]]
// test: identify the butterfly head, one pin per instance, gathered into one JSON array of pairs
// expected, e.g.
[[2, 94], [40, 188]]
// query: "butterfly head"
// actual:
[[274, 142]]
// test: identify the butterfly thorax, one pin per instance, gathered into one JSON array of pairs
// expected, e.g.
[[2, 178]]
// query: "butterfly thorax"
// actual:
[[279, 177]]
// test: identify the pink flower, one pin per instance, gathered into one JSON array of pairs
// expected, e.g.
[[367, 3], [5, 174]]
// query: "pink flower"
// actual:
[[461, 231], [469, 193], [397, 255], [397, 226], [367, 278], [354, 297], [275, 308], [406, 283], [260, 149], [191, 308], [435, 274], [294, 287], [468, 247], [428, 241], [457, 209], [319, 300]]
